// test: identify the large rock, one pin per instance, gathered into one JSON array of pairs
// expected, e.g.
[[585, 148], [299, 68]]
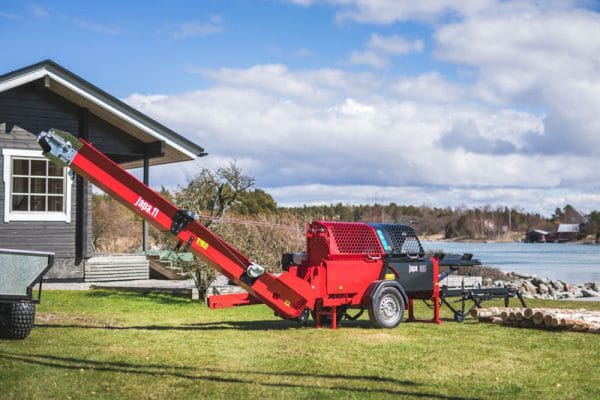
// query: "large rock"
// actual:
[[525, 275], [577, 292], [539, 280], [528, 288], [558, 286], [589, 293], [592, 286], [543, 288]]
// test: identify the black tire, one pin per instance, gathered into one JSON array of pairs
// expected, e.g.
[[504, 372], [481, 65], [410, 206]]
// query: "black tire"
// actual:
[[387, 308], [303, 317], [17, 320]]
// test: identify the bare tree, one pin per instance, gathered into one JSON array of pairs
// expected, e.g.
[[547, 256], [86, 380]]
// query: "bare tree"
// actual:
[[214, 192]]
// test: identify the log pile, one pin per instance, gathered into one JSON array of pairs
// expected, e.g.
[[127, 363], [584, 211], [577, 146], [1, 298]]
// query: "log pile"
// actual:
[[579, 320]]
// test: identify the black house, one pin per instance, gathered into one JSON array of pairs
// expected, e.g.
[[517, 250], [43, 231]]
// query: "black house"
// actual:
[[41, 206], [536, 236]]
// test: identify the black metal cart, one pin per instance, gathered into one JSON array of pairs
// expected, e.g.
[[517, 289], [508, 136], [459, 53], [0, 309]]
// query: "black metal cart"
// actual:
[[20, 272]]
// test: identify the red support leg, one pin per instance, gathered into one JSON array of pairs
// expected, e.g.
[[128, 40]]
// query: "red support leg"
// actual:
[[411, 311], [334, 317], [436, 310], [318, 316]]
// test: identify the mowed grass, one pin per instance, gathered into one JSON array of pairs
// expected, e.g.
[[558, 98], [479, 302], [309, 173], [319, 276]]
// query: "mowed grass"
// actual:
[[116, 345]]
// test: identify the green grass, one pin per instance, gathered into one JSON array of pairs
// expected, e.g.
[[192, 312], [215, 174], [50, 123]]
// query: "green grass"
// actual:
[[112, 345]]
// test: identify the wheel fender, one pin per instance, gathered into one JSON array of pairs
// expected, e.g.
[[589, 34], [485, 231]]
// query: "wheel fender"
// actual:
[[377, 286]]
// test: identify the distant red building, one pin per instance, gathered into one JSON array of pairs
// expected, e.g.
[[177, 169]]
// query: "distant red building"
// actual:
[[565, 233]]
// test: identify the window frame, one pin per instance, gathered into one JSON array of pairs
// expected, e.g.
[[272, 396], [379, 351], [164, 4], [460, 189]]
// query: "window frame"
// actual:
[[13, 216]]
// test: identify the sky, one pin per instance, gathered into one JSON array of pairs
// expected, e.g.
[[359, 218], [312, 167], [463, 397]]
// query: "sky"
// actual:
[[439, 103]]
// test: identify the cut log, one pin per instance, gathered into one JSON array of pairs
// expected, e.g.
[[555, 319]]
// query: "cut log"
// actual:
[[519, 315], [578, 320], [481, 313]]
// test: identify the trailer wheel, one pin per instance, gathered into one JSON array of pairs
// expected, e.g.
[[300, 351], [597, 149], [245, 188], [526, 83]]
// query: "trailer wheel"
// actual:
[[386, 309], [17, 320], [303, 317]]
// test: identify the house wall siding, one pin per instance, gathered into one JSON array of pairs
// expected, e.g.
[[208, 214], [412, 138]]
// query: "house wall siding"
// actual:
[[111, 140], [24, 112]]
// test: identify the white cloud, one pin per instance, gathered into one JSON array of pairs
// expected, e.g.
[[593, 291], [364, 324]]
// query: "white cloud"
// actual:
[[540, 200], [389, 11], [537, 56], [380, 48], [305, 3], [523, 129], [369, 57], [196, 28], [354, 108], [310, 86], [532, 55], [330, 128], [38, 11], [104, 29], [430, 87], [394, 44]]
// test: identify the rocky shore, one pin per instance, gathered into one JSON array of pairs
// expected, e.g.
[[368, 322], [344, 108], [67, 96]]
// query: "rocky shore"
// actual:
[[532, 286]]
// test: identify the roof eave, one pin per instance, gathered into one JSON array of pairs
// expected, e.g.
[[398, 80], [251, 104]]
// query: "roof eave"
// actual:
[[101, 99]]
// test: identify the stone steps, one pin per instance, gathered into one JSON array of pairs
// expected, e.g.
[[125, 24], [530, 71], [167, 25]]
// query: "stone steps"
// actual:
[[118, 267], [163, 269]]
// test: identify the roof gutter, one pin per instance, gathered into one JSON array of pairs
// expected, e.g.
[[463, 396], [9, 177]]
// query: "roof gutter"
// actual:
[[43, 72]]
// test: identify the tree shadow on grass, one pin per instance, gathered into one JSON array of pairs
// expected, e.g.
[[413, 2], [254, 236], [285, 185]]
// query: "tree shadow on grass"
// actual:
[[302, 380], [157, 297], [263, 325]]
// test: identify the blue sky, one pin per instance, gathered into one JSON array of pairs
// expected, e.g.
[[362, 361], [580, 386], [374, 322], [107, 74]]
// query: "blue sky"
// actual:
[[435, 102], [162, 40]]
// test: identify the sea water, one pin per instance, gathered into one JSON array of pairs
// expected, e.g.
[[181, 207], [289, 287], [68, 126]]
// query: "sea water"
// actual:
[[575, 263]]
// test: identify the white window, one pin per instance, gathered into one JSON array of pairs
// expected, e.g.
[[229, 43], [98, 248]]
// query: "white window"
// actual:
[[34, 188]]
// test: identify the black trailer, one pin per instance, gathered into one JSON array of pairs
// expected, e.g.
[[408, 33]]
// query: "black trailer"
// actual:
[[20, 272], [475, 295]]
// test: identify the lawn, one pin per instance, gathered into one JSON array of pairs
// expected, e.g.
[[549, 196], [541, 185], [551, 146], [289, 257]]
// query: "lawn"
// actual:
[[115, 345]]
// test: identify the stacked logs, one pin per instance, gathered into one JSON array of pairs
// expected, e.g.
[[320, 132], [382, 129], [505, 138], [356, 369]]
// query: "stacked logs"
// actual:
[[579, 320]]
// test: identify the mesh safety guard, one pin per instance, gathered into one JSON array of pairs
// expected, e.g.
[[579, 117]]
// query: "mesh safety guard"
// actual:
[[399, 239]]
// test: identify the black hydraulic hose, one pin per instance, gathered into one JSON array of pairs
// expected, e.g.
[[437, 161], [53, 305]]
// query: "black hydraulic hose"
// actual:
[[355, 317]]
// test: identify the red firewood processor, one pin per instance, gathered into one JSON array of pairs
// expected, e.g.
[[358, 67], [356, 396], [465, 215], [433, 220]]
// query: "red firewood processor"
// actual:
[[378, 267]]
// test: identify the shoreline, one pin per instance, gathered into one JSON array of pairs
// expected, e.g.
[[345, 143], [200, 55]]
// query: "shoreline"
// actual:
[[439, 238], [537, 287], [574, 263]]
